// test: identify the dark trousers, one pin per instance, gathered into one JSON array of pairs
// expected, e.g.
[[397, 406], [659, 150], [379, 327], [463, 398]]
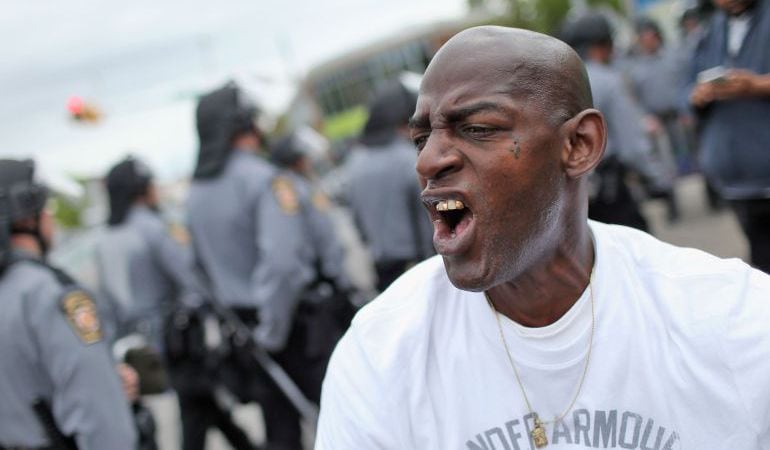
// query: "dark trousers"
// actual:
[[199, 413], [282, 420], [388, 271], [754, 217]]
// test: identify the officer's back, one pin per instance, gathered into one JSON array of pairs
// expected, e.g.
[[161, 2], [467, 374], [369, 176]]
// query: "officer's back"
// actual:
[[224, 219], [250, 240], [58, 379], [143, 271], [291, 155], [245, 220]]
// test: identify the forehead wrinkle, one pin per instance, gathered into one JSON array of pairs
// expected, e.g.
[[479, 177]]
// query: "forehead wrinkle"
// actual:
[[418, 121], [545, 84], [528, 67]]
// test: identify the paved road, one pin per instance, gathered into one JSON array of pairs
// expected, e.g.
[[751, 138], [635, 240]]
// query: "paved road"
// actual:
[[699, 227]]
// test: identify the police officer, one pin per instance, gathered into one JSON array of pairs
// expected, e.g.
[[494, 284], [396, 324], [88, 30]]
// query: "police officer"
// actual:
[[143, 270], [147, 272], [291, 153], [383, 192], [60, 388], [628, 145], [331, 288], [250, 241], [657, 75]]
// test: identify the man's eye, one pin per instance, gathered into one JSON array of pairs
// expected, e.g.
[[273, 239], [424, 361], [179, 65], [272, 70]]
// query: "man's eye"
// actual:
[[419, 141], [478, 132]]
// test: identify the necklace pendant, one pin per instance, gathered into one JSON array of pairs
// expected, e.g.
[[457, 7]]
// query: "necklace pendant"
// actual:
[[538, 434]]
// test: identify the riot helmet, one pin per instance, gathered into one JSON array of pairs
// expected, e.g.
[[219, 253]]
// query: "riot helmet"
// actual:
[[126, 181], [391, 108], [287, 150], [586, 31], [648, 35], [647, 24], [20, 198], [220, 116]]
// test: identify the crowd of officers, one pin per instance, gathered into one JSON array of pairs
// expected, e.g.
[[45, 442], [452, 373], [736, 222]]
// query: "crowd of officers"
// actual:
[[700, 105], [260, 243]]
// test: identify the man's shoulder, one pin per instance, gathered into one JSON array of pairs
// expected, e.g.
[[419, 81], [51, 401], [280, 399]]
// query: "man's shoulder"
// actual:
[[35, 283], [149, 223], [606, 83], [31, 274], [410, 294], [240, 165], [402, 315], [651, 255], [678, 278], [602, 73], [248, 166]]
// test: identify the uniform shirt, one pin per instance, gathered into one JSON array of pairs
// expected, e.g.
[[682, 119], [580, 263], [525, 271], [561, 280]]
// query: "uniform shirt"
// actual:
[[42, 356], [249, 235], [658, 80], [142, 271], [626, 138], [384, 196], [327, 247], [679, 361]]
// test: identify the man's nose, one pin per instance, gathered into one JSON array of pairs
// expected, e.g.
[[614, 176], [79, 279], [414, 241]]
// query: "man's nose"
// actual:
[[438, 157]]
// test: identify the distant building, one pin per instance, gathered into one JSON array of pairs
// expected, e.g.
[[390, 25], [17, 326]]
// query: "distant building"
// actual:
[[332, 96]]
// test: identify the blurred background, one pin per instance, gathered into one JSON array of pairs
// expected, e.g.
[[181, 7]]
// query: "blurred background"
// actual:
[[86, 82]]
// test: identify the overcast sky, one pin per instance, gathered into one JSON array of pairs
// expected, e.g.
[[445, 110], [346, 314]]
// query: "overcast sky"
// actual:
[[142, 61]]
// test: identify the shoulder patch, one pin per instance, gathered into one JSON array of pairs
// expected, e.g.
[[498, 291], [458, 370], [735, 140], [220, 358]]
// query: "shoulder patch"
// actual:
[[321, 201], [81, 314], [179, 233], [286, 195]]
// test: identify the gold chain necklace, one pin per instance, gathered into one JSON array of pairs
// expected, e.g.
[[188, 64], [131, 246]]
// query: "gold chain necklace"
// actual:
[[538, 432]]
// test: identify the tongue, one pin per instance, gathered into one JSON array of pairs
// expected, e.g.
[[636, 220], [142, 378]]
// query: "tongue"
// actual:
[[462, 224]]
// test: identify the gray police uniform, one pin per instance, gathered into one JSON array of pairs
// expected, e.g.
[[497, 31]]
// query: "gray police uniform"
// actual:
[[51, 349], [384, 196], [658, 82], [322, 236], [627, 146], [249, 236], [626, 137], [142, 272]]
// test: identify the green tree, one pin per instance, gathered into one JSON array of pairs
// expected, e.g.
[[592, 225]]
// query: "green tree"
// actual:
[[540, 15], [66, 212]]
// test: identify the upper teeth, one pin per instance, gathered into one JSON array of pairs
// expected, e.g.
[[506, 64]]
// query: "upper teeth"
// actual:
[[448, 205]]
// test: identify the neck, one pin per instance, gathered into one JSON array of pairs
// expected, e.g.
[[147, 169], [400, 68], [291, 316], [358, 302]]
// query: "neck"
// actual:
[[26, 243], [548, 290]]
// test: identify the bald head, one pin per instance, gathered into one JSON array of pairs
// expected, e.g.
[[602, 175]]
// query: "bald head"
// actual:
[[544, 70]]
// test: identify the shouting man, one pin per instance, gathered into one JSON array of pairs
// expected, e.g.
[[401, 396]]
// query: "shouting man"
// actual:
[[536, 327]]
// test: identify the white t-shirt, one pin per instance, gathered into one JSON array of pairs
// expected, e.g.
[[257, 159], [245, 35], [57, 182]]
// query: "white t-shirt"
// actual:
[[681, 360], [737, 28]]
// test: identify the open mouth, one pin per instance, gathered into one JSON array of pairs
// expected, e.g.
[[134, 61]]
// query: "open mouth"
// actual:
[[452, 213], [451, 219]]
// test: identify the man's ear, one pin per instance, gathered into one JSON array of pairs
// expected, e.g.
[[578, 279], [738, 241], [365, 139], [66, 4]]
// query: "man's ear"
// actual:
[[585, 137]]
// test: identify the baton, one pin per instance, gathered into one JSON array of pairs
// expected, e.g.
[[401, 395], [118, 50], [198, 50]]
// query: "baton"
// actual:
[[242, 333]]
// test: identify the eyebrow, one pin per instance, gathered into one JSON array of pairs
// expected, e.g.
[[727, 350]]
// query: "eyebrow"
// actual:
[[419, 122], [459, 115]]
